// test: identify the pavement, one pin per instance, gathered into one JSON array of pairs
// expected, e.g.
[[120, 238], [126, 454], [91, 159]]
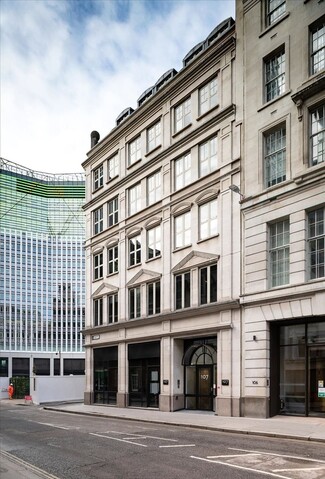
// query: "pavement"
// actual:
[[289, 427]]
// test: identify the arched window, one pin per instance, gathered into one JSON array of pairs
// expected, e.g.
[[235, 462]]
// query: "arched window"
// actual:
[[196, 355]]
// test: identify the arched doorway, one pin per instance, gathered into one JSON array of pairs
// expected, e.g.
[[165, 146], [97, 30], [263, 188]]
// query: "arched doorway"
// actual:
[[200, 364]]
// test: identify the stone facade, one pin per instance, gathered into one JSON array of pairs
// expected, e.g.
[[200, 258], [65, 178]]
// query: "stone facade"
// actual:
[[219, 172], [187, 136], [283, 180]]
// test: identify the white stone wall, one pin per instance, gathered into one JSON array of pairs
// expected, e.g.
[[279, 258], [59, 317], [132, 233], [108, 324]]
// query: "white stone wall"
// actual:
[[171, 327], [303, 189]]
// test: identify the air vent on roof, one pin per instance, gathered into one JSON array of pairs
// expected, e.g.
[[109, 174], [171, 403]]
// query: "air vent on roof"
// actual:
[[193, 53], [124, 114], [220, 30], [166, 77], [145, 95]]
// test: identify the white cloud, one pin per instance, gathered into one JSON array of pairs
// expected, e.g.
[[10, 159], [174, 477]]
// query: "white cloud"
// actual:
[[65, 72]]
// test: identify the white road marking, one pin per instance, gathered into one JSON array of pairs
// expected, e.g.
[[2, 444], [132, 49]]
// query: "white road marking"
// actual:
[[275, 454], [242, 467], [133, 437], [235, 455], [322, 468], [246, 453], [179, 445], [117, 439], [136, 436], [53, 425]]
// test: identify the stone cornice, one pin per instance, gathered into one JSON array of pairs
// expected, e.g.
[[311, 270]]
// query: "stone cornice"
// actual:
[[174, 315]]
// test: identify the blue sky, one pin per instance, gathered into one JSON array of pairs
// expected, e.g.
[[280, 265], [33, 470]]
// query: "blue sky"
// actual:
[[71, 66]]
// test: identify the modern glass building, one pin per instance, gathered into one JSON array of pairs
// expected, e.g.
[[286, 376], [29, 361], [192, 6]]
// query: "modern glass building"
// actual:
[[42, 265]]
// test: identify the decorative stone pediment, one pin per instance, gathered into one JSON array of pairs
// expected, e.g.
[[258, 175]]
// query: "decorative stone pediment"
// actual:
[[134, 231], [181, 208], [112, 241], [104, 289], [97, 249], [195, 258], [207, 195], [153, 221], [144, 276]]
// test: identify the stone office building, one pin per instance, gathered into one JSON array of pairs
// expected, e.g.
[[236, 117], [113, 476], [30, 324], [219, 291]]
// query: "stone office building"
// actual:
[[163, 325], [283, 212]]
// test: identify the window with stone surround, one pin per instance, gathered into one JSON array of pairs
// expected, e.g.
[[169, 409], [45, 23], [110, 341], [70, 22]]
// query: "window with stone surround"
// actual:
[[153, 298], [274, 74], [135, 302], [182, 115], [112, 258], [274, 10], [98, 220], [317, 135], [112, 306], [98, 178], [183, 290], [317, 46], [182, 230], [98, 311], [208, 284], [279, 253], [275, 156], [208, 96], [98, 264], [316, 243]]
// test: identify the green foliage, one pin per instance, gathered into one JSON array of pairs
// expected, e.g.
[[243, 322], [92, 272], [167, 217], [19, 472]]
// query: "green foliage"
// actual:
[[21, 386]]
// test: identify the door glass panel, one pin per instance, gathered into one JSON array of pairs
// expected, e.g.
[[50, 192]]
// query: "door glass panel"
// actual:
[[316, 333], [292, 379], [135, 379], [317, 381], [154, 386], [205, 388], [293, 334]]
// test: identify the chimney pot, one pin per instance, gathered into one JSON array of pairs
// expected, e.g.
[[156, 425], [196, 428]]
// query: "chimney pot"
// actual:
[[94, 138]]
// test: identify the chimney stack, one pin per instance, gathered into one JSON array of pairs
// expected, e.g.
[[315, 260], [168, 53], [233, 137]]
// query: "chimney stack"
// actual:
[[94, 138]]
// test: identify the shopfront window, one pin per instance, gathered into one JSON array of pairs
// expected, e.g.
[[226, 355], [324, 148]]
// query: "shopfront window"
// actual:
[[302, 369], [105, 375], [292, 379]]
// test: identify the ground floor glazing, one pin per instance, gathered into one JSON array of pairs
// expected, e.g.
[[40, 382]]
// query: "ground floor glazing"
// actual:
[[199, 365]]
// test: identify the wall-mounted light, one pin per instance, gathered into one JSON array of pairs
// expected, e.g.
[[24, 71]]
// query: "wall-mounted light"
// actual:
[[236, 189], [254, 338]]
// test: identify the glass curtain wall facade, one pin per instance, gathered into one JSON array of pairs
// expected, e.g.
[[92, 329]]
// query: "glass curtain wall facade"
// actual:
[[42, 263]]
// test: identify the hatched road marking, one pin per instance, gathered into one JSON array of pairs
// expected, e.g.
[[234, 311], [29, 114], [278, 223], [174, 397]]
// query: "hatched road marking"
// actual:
[[271, 464], [133, 438]]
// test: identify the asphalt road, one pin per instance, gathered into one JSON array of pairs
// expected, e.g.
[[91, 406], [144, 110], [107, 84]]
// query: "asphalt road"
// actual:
[[70, 446]]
